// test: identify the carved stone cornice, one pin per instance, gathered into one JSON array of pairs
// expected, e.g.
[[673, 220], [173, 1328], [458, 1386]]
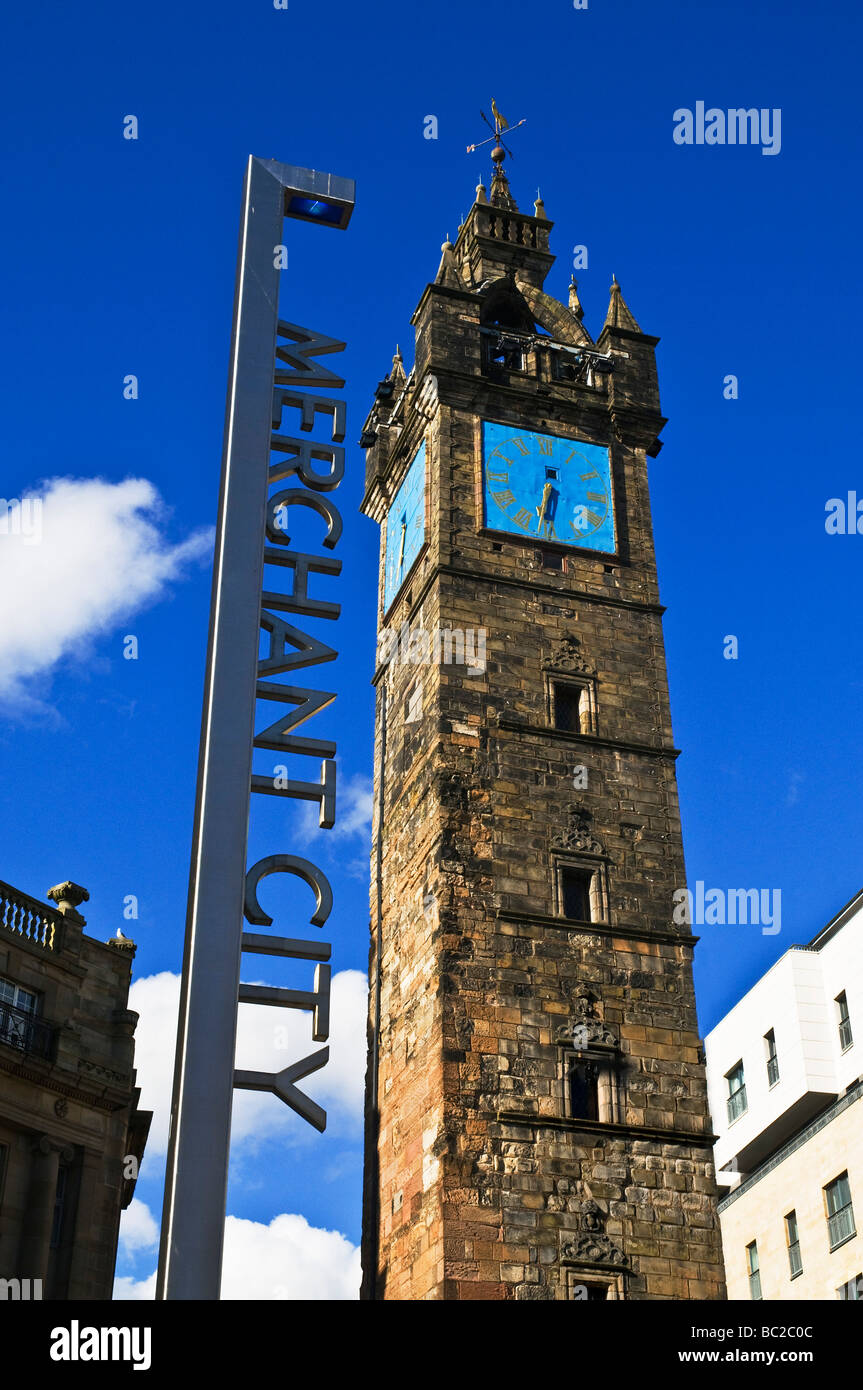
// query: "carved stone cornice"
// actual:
[[624, 932], [591, 1245], [586, 1029], [577, 834], [108, 1074], [593, 1249], [609, 1130], [73, 1092], [567, 656]]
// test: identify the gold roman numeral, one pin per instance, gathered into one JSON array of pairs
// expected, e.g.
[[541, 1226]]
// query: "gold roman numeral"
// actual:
[[546, 446], [523, 518], [497, 477], [592, 474], [596, 496], [504, 499], [520, 445]]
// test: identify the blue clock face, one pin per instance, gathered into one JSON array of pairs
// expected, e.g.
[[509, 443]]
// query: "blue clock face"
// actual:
[[406, 526], [547, 487]]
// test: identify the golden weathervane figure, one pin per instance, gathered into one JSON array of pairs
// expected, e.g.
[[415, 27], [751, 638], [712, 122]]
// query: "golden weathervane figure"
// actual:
[[500, 124]]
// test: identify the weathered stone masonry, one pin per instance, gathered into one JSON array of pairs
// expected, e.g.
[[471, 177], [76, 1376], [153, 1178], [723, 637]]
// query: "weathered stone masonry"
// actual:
[[479, 1182]]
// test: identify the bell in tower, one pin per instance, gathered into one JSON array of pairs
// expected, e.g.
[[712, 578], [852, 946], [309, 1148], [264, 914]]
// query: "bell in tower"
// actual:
[[536, 1116]]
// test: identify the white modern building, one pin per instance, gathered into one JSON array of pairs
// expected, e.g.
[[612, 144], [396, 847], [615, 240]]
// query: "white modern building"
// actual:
[[785, 1084]]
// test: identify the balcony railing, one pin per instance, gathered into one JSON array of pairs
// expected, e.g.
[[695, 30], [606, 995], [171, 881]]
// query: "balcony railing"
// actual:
[[841, 1225], [21, 1029], [736, 1104], [29, 918]]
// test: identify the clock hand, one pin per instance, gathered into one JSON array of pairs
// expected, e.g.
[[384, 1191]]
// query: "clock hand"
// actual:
[[540, 510], [402, 545]]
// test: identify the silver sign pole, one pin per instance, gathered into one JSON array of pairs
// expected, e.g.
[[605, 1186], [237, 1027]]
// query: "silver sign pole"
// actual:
[[190, 1261]]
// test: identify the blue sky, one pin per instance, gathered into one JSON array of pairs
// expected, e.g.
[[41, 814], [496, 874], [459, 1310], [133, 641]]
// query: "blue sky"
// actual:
[[119, 259]]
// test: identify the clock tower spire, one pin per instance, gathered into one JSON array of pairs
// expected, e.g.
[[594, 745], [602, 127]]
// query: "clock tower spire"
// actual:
[[537, 1124]]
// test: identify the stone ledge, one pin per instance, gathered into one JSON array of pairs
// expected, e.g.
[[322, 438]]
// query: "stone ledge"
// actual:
[[538, 919], [593, 740], [615, 1131]]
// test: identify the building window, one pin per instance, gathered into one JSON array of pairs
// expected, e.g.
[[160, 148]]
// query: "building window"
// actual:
[[851, 1292], [584, 1286], [792, 1236], [736, 1093], [846, 1037], [18, 1009], [503, 352], [582, 1089], [591, 1293], [19, 998], [772, 1059], [574, 367], [754, 1271], [571, 707], [840, 1212], [577, 893]]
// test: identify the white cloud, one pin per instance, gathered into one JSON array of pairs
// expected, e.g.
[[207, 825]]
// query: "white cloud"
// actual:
[[102, 556], [138, 1229], [126, 1288], [287, 1259], [353, 811], [269, 1039]]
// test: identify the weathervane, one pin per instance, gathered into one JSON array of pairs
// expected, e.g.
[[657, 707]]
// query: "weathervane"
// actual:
[[501, 124]]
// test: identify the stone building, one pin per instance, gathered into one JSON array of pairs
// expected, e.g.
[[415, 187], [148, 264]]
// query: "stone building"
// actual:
[[71, 1133], [785, 1080], [537, 1123]]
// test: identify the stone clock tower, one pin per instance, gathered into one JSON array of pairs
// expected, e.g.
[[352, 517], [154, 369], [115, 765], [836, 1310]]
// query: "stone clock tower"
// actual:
[[537, 1124]]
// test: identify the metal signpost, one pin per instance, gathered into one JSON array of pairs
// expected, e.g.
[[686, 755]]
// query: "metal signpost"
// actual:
[[220, 890]]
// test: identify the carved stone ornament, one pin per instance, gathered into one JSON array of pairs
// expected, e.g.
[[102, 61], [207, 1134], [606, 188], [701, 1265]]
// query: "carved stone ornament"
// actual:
[[592, 1248], [592, 1245], [586, 1029], [122, 943], [592, 1216], [577, 834], [567, 655], [68, 894]]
